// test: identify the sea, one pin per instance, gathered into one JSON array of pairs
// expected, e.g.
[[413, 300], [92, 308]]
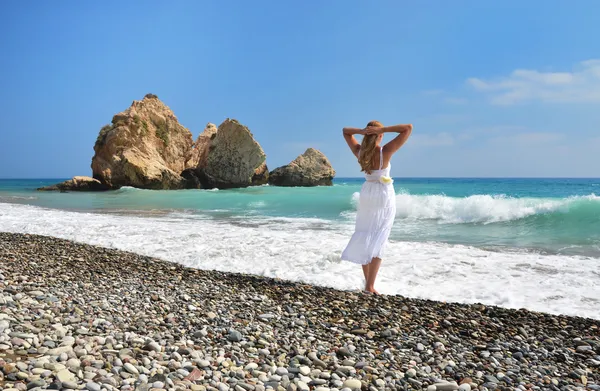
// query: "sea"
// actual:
[[516, 243]]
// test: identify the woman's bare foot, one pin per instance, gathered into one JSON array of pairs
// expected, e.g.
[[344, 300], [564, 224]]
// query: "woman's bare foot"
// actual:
[[372, 290]]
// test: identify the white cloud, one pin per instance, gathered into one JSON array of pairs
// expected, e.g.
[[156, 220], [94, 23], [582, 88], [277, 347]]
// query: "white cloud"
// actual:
[[522, 85]]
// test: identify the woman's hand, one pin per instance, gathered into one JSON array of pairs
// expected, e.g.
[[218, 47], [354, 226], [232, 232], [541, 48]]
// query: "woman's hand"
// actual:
[[373, 130]]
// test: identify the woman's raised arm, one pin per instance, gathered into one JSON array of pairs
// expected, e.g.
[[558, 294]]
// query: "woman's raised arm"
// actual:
[[351, 141]]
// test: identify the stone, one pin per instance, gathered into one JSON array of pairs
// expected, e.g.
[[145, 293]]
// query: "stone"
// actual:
[[235, 159], [65, 375], [21, 335], [73, 363], [131, 369], [302, 386], [234, 336], [36, 383], [252, 366], [145, 147], [70, 384], [353, 384], [446, 386], [583, 348], [152, 345], [91, 386], [77, 183], [59, 351], [312, 168], [22, 376]]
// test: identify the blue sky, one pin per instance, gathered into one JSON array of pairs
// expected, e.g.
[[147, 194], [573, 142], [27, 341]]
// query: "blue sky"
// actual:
[[505, 88]]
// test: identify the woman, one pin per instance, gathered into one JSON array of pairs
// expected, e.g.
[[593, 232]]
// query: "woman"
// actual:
[[377, 204]]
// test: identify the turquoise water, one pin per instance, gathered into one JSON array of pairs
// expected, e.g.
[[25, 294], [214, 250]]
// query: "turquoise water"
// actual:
[[549, 216], [518, 243]]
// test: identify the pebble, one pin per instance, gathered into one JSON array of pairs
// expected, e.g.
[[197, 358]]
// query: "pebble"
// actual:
[[154, 346], [302, 386], [131, 369], [36, 383], [235, 336], [91, 386], [65, 375], [252, 366], [221, 332], [69, 384], [446, 386], [352, 384]]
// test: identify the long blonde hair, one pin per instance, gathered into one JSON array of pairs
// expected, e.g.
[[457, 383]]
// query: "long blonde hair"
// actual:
[[368, 148]]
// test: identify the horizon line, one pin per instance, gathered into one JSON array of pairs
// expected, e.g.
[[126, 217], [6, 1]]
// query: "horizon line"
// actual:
[[360, 177]]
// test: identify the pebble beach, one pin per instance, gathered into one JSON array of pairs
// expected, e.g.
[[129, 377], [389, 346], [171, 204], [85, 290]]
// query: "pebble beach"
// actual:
[[75, 316]]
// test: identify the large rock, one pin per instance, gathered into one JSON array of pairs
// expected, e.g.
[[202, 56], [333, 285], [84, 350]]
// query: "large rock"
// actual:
[[78, 183], [201, 147], [234, 158], [312, 168], [144, 147]]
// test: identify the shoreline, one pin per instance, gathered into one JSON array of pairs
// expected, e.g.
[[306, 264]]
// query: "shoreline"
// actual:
[[86, 316]]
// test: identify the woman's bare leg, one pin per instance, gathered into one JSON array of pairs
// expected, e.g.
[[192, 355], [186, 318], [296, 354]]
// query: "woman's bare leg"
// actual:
[[366, 273], [372, 274]]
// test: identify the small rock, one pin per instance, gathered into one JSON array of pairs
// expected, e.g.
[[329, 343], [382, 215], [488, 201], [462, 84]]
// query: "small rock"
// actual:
[[353, 384], [131, 369], [69, 384], [234, 336], [36, 383], [446, 386], [154, 346], [65, 375], [91, 386], [252, 366]]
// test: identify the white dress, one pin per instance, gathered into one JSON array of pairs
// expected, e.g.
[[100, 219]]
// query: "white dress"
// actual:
[[374, 219]]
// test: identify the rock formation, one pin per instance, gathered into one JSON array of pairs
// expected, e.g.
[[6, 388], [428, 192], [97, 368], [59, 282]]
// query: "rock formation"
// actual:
[[78, 183], [201, 147], [312, 168], [144, 147], [229, 157]]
